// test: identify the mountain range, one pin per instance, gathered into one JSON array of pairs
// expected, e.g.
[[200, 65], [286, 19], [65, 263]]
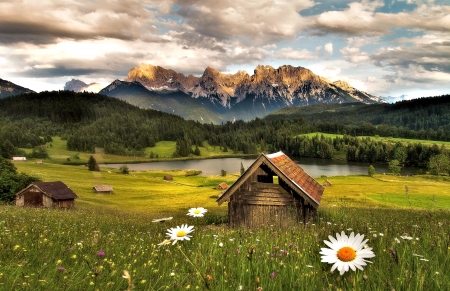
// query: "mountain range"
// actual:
[[216, 97]]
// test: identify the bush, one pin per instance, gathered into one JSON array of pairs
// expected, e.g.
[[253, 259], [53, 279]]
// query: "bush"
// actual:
[[372, 171], [124, 169]]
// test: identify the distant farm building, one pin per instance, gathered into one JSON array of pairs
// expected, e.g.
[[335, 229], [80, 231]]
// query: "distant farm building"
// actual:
[[168, 177], [46, 194], [19, 159], [222, 186], [104, 189], [327, 183], [38, 161], [255, 200]]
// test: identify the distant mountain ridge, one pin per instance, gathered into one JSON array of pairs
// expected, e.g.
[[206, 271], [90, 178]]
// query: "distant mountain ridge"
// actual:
[[231, 96], [80, 86], [8, 88]]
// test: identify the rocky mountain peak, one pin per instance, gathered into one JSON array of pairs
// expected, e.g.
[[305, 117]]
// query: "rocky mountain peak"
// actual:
[[342, 84], [80, 86], [8, 88]]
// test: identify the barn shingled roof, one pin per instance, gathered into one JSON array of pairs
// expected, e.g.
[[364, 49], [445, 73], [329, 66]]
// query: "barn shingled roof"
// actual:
[[297, 175], [57, 190]]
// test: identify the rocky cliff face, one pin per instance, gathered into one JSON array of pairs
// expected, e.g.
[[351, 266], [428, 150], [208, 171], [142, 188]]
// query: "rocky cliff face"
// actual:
[[10, 89], [80, 86], [287, 85]]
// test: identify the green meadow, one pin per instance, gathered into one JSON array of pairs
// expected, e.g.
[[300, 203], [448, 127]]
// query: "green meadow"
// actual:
[[109, 242], [387, 139]]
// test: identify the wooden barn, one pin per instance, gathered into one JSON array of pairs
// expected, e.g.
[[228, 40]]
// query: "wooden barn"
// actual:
[[222, 186], [103, 189], [273, 191], [46, 194], [327, 183]]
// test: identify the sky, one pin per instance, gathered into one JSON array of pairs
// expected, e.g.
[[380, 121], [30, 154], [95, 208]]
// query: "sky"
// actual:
[[385, 48]]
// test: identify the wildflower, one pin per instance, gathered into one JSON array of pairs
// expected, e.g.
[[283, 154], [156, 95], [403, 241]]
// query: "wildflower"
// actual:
[[180, 233], [240, 287], [423, 259], [406, 237], [381, 234], [165, 242], [61, 269], [346, 252], [272, 275], [220, 245], [397, 240], [101, 253], [197, 212]]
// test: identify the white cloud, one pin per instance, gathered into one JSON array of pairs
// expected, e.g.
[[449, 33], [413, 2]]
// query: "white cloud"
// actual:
[[353, 55], [292, 54], [371, 79], [329, 48]]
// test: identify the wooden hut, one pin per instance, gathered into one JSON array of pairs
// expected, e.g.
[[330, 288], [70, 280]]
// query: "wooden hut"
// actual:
[[327, 183], [222, 186], [274, 190], [103, 189], [46, 194]]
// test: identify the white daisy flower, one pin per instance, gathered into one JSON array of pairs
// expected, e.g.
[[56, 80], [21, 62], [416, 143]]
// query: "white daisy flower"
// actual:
[[346, 252], [197, 212], [180, 233]]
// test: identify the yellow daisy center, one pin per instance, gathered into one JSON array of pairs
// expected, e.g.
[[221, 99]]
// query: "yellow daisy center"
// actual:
[[181, 233], [346, 254], [197, 211]]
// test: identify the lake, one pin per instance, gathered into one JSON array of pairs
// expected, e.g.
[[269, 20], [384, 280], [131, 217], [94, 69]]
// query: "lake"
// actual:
[[314, 167]]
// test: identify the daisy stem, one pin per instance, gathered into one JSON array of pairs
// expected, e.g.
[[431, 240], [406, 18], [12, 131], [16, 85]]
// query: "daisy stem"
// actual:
[[195, 267]]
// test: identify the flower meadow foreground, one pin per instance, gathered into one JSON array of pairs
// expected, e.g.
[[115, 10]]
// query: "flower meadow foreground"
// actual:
[[45, 249]]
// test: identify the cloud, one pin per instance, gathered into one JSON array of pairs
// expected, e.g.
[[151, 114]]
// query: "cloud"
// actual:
[[431, 56], [371, 79], [256, 22], [353, 55], [329, 48], [44, 22], [292, 54], [362, 18]]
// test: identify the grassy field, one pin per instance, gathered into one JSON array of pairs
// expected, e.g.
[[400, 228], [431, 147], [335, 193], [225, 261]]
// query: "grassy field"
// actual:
[[406, 220], [164, 149], [389, 139]]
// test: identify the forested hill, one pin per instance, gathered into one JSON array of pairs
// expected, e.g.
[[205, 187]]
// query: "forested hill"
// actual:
[[86, 120], [417, 114]]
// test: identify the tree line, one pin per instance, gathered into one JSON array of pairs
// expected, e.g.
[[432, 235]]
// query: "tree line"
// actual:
[[88, 121]]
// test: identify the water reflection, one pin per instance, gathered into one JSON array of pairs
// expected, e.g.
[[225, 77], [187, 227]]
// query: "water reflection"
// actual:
[[314, 167]]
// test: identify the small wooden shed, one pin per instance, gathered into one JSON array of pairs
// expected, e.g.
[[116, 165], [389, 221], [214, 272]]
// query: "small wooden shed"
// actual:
[[46, 194], [19, 159], [222, 186], [104, 189], [327, 183], [274, 190]]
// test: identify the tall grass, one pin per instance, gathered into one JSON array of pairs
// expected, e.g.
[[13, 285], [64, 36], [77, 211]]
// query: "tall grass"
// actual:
[[44, 249]]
